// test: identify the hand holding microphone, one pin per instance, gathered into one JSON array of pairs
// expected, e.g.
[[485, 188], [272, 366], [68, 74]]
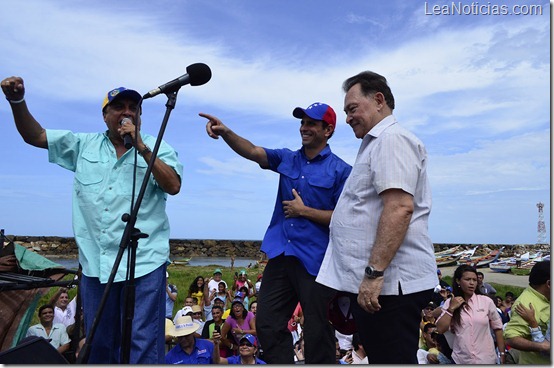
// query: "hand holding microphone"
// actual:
[[127, 137]]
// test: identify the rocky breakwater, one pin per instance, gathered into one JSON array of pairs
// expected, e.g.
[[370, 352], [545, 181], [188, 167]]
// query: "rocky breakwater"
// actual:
[[66, 247]]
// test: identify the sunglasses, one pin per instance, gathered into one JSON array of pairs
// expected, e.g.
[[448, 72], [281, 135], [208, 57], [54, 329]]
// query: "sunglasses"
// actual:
[[246, 343]]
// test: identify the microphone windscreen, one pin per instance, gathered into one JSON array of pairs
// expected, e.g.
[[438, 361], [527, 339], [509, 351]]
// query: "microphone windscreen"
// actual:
[[199, 74]]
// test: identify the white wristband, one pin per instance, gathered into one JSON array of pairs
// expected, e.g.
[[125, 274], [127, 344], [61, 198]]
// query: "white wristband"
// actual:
[[16, 102]]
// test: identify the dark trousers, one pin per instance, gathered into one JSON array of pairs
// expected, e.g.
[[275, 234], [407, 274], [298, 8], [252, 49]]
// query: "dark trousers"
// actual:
[[391, 335], [286, 282]]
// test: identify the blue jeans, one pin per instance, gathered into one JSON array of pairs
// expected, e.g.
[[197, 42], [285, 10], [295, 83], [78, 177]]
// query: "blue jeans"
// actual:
[[147, 337]]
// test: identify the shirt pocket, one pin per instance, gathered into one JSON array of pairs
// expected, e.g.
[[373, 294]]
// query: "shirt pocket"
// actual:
[[322, 194], [88, 175], [125, 187], [288, 169]]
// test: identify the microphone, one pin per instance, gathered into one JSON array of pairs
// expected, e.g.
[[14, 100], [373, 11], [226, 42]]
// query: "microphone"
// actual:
[[127, 139], [197, 75]]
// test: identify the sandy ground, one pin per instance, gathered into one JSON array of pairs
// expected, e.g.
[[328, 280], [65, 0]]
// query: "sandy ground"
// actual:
[[497, 277]]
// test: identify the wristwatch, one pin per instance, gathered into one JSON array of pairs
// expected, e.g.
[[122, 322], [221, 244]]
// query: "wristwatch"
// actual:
[[372, 273], [145, 150]]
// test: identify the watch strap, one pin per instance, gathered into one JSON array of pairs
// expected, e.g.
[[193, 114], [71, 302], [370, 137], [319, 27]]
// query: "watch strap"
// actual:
[[145, 150]]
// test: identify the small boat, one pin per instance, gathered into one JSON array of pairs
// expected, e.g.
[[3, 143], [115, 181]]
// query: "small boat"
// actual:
[[447, 261], [503, 265], [447, 252], [181, 261], [483, 261], [466, 254]]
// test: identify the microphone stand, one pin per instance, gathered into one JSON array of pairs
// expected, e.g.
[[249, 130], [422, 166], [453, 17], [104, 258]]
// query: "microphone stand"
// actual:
[[129, 241]]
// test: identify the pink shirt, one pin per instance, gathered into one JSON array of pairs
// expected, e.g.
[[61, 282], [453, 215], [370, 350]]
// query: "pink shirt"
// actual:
[[232, 322], [473, 342]]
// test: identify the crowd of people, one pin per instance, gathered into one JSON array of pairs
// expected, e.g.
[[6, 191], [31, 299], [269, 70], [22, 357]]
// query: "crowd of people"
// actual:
[[466, 327], [359, 232]]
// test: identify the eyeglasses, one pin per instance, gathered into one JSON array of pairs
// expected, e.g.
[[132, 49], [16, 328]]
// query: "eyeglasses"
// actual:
[[246, 343]]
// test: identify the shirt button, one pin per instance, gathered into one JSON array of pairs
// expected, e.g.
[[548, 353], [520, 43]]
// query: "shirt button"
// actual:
[[302, 176], [106, 210], [291, 224]]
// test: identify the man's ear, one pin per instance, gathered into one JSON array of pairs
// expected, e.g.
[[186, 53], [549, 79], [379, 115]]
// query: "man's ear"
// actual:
[[329, 131], [380, 98]]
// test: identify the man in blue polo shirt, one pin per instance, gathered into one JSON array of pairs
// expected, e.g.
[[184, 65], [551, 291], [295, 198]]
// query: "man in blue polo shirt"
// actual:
[[310, 182], [189, 350]]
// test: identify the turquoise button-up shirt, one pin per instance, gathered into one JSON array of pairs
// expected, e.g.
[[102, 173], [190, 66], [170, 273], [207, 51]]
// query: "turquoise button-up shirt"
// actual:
[[102, 193]]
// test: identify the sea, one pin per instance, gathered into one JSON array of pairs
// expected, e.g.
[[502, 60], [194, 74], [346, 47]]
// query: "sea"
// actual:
[[72, 263]]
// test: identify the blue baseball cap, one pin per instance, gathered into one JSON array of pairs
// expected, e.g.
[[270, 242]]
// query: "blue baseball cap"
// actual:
[[251, 339], [317, 111], [118, 93]]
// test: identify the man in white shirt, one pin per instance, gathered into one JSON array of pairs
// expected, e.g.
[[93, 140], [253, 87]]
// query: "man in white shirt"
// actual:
[[379, 248], [64, 310], [54, 333]]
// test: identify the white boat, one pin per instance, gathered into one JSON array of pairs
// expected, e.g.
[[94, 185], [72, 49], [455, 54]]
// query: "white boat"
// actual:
[[447, 252], [503, 265]]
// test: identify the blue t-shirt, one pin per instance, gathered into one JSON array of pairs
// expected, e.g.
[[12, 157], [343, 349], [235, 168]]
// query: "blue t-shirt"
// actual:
[[201, 354], [235, 359], [319, 183]]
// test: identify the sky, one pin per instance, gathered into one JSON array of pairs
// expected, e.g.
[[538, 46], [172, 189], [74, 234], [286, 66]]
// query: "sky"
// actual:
[[474, 86]]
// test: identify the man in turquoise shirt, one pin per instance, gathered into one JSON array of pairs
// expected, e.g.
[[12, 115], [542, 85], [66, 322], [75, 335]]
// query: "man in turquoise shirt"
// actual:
[[102, 191]]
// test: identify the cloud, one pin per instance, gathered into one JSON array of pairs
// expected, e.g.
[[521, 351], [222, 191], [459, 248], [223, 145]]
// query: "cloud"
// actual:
[[475, 89]]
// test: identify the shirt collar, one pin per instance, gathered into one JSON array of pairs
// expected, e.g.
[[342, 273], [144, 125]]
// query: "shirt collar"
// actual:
[[326, 151], [381, 126], [538, 295]]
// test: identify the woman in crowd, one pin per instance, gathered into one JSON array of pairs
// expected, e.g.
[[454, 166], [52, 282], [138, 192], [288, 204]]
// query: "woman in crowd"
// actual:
[[253, 307], [470, 317], [221, 293], [501, 309], [196, 290], [240, 322], [248, 347]]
